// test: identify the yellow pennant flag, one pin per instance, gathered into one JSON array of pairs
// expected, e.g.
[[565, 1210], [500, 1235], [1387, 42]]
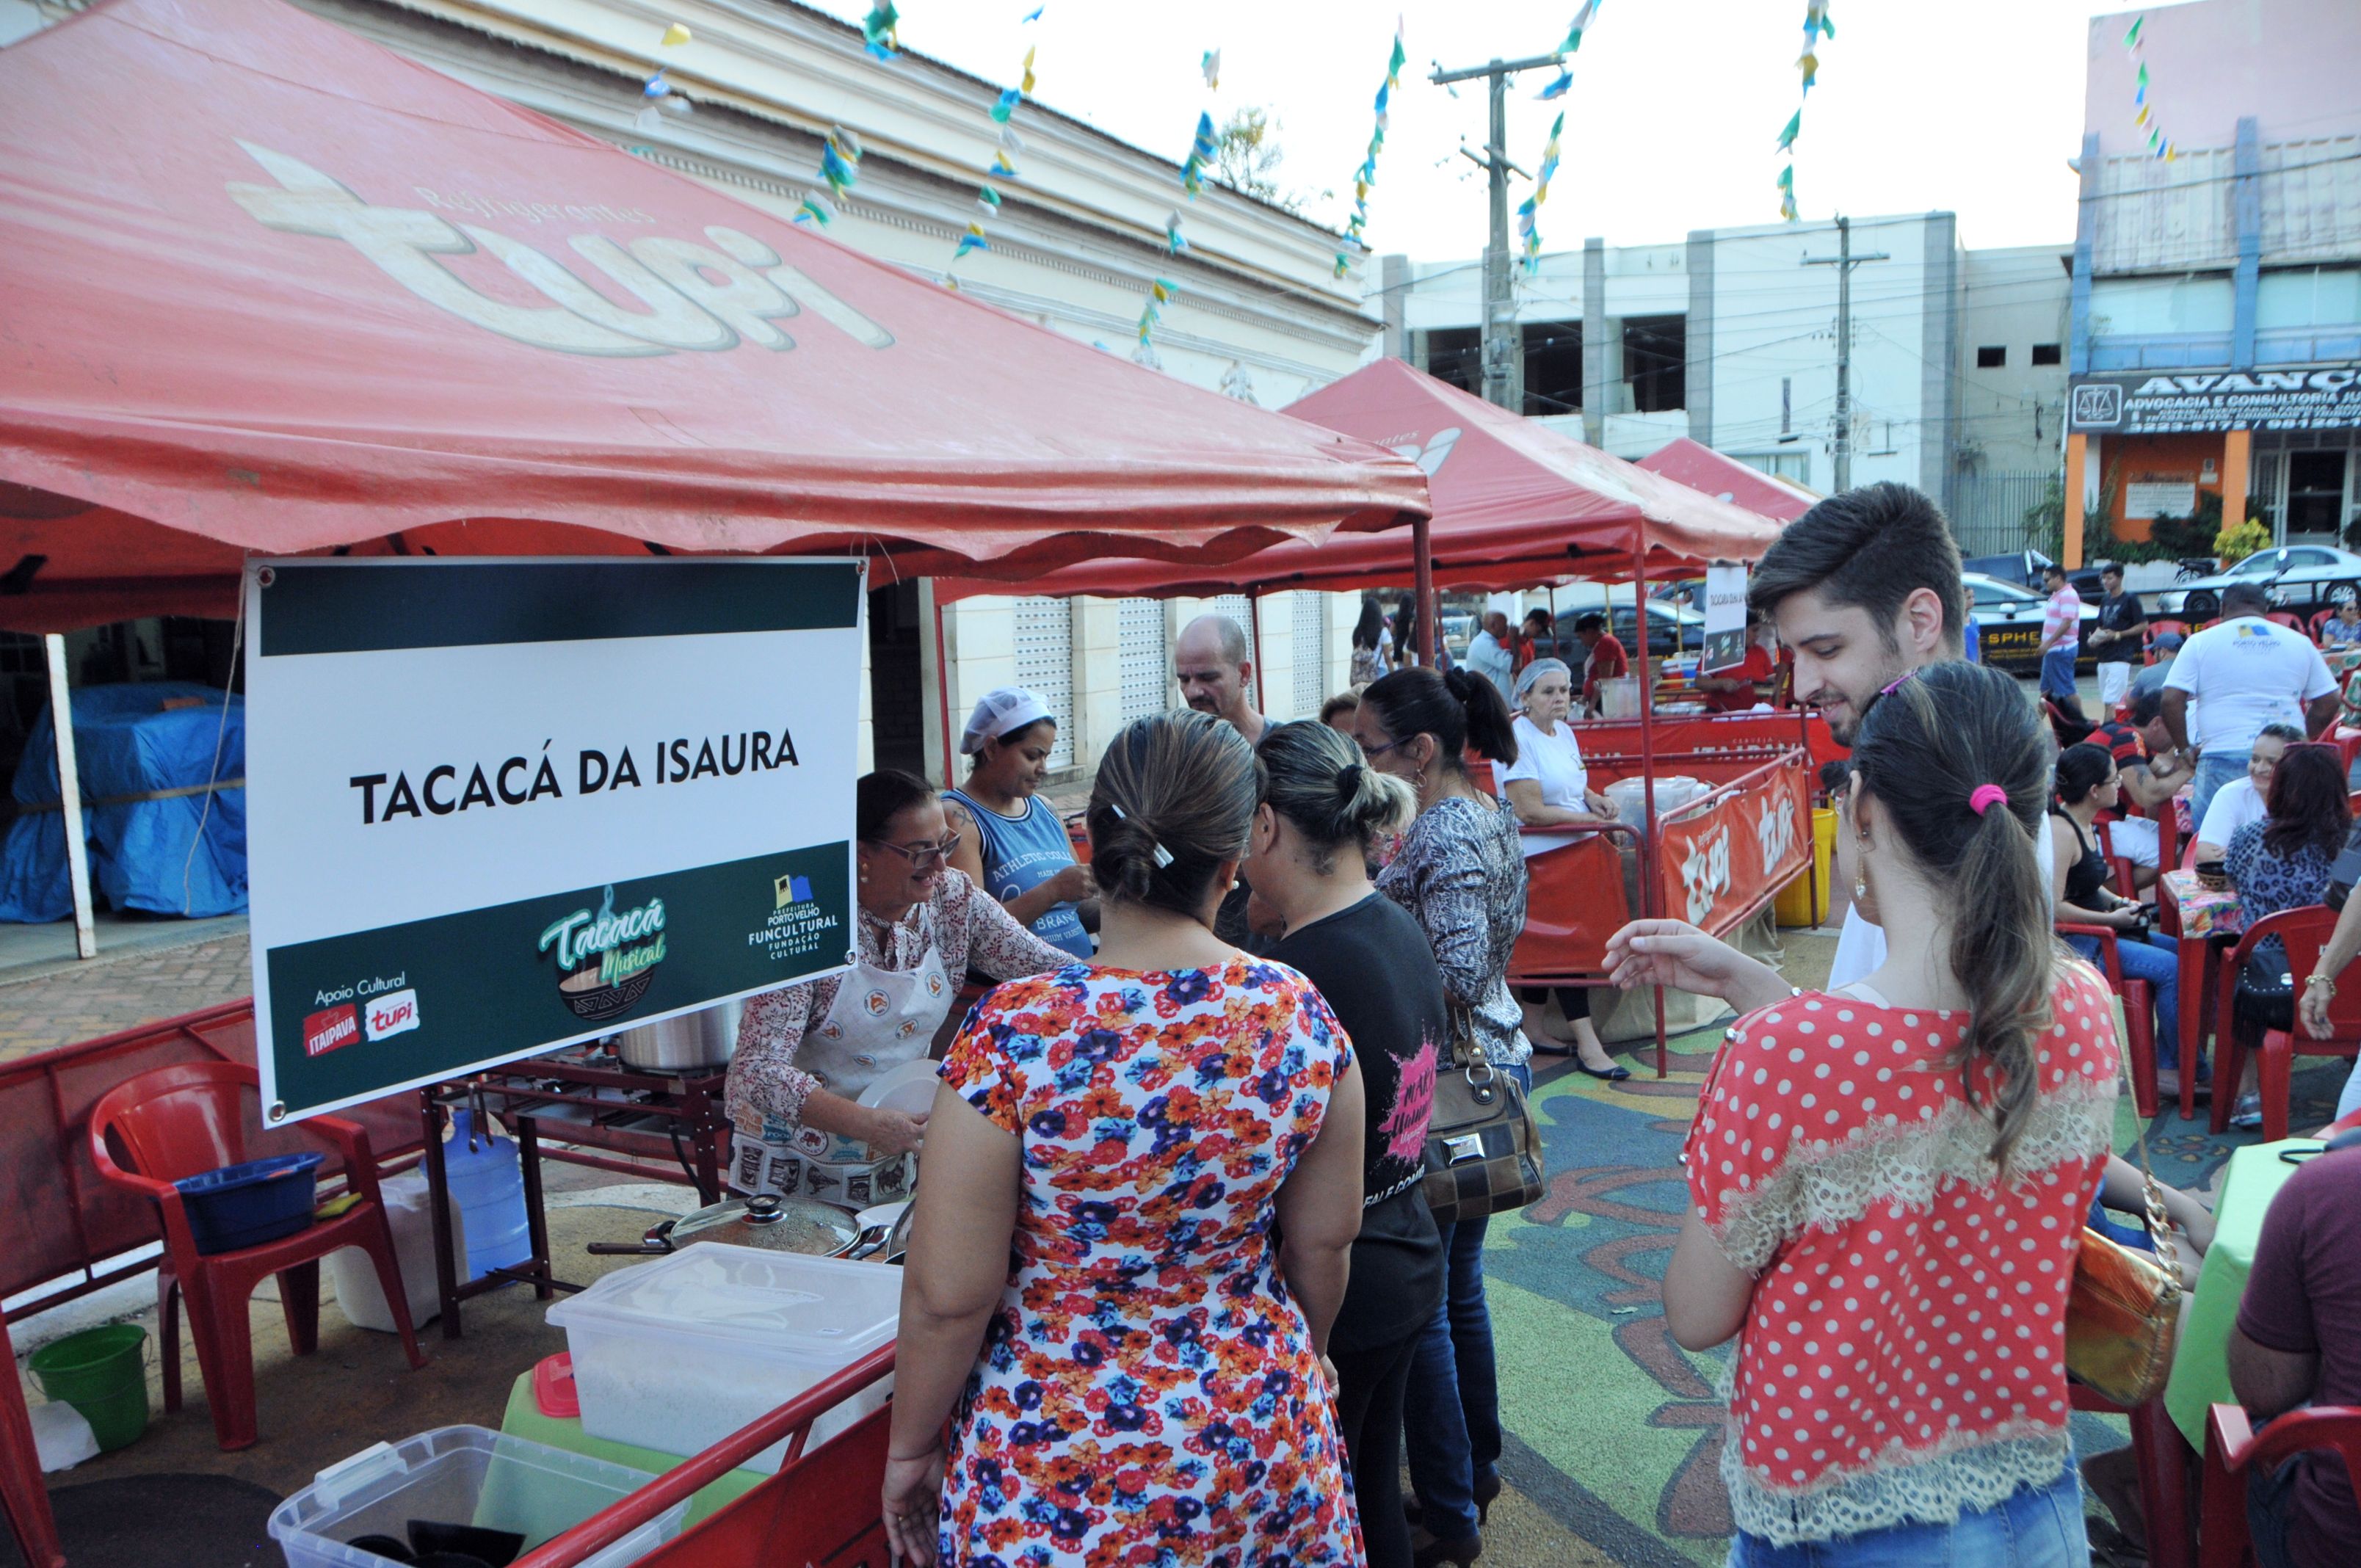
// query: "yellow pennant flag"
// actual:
[[674, 35], [1027, 88]]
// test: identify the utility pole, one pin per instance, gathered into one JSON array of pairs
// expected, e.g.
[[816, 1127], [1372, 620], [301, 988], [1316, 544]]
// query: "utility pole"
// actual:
[[1500, 310], [1844, 261]]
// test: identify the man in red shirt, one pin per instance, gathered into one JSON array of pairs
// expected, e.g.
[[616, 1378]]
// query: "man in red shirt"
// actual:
[[1606, 660], [2152, 775], [2299, 1342], [1738, 687]]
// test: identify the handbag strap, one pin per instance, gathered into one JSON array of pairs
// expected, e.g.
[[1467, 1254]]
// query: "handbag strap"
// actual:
[[2159, 1224]]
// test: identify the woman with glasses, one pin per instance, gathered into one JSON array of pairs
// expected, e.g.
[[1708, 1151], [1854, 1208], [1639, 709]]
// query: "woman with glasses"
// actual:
[[807, 1051], [1011, 842]]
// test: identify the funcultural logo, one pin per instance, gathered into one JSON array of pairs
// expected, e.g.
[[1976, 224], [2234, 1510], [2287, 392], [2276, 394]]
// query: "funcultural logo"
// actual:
[[606, 961]]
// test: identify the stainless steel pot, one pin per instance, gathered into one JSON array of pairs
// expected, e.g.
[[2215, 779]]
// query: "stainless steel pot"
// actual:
[[680, 1044]]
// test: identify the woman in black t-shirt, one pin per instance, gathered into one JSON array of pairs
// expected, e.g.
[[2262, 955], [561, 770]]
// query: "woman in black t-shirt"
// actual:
[[1322, 810]]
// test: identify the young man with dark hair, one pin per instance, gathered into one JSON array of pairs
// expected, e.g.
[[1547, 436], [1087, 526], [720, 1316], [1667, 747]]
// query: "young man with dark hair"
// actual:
[[1864, 589], [1607, 658], [2151, 774], [2117, 637]]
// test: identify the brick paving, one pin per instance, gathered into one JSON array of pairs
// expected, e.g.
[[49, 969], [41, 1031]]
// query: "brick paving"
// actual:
[[112, 993]]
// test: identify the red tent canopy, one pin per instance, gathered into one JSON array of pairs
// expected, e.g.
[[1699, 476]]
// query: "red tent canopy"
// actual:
[[266, 286], [1700, 467], [1515, 503]]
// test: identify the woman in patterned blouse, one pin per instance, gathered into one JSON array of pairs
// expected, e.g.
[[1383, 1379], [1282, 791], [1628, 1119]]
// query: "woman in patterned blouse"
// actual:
[[2282, 863], [916, 917], [1888, 1181], [1143, 1185], [1461, 872]]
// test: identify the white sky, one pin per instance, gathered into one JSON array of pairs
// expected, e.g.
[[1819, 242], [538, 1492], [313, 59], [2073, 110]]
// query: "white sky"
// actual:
[[1676, 107]]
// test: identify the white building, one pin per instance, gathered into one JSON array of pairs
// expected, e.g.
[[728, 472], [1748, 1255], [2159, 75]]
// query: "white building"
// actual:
[[1957, 381], [1076, 245]]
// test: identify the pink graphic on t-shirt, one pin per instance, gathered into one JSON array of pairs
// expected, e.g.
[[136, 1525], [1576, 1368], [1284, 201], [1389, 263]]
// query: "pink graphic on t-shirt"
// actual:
[[1405, 1124]]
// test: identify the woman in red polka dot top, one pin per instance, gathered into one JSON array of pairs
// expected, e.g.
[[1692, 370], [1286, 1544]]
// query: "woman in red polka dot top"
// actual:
[[1888, 1180]]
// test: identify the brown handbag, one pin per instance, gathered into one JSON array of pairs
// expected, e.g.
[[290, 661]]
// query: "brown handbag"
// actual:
[[2123, 1318], [1483, 1149]]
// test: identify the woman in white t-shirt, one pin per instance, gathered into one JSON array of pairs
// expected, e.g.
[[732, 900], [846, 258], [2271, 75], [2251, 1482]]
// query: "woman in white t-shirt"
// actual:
[[2242, 801], [1547, 787]]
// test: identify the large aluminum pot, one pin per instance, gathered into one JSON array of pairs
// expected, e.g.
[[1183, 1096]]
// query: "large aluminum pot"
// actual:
[[680, 1044]]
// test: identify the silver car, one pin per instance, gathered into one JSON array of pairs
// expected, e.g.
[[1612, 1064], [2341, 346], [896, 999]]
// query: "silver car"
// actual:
[[2302, 578]]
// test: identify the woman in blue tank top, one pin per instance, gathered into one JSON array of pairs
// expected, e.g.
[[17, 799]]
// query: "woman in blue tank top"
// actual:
[[1011, 843]]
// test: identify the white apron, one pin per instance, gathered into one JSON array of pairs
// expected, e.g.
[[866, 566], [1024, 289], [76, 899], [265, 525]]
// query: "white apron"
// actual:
[[881, 1019]]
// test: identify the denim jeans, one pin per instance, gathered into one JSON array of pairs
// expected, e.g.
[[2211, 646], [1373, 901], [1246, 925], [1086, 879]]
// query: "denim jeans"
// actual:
[[2269, 1490], [2033, 1527], [2057, 673], [1452, 1410], [2157, 962], [2215, 769]]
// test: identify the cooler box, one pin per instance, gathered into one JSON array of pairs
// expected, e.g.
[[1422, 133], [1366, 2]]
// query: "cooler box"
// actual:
[[460, 1475], [677, 1354]]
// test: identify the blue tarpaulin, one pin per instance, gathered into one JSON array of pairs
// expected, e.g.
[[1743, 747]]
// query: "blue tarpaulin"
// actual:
[[128, 741]]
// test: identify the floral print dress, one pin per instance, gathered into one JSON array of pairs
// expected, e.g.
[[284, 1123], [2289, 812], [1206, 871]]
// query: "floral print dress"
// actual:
[[1147, 1391]]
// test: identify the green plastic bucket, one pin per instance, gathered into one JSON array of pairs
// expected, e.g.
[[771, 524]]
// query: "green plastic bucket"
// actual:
[[101, 1372]]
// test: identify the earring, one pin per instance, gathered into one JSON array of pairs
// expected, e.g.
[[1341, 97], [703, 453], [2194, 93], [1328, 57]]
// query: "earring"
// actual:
[[1860, 871]]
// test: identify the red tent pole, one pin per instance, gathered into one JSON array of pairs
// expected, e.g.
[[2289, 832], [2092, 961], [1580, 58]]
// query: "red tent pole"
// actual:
[[1421, 545], [1648, 846], [943, 697]]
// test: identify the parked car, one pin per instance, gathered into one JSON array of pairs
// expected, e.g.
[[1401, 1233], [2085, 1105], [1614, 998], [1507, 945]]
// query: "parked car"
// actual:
[[2025, 567], [1669, 629], [2304, 578], [2009, 620]]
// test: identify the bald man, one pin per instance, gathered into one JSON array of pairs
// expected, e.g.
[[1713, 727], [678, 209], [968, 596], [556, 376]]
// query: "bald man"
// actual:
[[1215, 664]]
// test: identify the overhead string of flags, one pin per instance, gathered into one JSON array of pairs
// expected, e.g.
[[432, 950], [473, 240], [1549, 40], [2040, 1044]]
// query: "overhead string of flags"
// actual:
[[1367, 175], [2159, 146], [1816, 29], [1003, 162], [1529, 210], [659, 93], [1204, 148]]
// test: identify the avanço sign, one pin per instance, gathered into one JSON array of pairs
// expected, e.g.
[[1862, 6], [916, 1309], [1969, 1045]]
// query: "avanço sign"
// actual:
[[2167, 403], [498, 806]]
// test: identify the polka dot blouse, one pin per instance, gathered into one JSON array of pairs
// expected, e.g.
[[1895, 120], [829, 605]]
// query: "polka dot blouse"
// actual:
[[1903, 1357]]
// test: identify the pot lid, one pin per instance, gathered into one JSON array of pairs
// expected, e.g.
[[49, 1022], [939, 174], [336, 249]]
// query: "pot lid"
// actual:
[[770, 1223]]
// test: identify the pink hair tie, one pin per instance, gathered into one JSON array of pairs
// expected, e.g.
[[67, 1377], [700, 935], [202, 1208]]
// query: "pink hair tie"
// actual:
[[1984, 797]]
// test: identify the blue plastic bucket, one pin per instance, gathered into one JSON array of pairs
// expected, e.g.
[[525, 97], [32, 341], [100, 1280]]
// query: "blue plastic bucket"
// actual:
[[246, 1205]]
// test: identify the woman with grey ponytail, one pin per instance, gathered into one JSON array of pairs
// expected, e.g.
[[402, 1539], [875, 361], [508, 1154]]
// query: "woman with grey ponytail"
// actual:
[[1321, 810]]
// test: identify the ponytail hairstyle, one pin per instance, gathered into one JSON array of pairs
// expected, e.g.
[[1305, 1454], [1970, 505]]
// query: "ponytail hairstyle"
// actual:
[[1175, 799], [1314, 776], [881, 797], [1458, 707], [1925, 750]]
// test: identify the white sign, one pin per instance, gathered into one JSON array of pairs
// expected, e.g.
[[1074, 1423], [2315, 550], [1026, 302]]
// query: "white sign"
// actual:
[[500, 806], [1725, 617], [2166, 498]]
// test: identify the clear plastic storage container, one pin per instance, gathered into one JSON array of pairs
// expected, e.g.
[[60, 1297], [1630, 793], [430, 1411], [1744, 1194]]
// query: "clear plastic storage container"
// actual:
[[677, 1354], [460, 1475]]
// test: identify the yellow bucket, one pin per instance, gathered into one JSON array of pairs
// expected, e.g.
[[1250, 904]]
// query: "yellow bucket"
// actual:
[[1795, 905]]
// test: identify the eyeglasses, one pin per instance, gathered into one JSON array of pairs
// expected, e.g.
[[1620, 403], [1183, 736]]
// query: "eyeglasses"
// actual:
[[923, 857], [1374, 753]]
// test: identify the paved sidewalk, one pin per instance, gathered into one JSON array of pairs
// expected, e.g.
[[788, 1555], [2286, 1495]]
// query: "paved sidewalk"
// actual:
[[110, 994]]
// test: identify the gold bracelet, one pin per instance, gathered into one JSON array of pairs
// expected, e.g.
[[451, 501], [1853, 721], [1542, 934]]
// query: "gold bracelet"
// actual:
[[2321, 980]]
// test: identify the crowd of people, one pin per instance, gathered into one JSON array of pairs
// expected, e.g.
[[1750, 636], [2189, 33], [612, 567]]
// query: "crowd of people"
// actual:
[[1175, 1291]]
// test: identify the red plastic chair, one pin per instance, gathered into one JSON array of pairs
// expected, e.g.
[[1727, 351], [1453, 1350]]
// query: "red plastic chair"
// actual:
[[2070, 731], [2163, 1461], [2231, 1449], [2286, 618], [2140, 1012], [2304, 932], [2348, 745], [23, 1497], [2120, 868], [2320, 619], [183, 1121]]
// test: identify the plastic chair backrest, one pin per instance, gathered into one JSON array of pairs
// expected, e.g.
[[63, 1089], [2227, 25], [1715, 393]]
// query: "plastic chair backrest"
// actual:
[[2305, 933], [2320, 618], [179, 1121], [2286, 618]]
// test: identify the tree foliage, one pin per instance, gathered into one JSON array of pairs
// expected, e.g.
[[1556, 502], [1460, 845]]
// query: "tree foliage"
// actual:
[[1247, 155]]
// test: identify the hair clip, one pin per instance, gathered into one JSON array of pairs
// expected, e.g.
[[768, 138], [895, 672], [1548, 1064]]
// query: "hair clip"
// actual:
[[1163, 856]]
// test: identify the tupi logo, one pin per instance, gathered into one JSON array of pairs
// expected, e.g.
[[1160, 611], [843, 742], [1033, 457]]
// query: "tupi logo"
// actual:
[[702, 297]]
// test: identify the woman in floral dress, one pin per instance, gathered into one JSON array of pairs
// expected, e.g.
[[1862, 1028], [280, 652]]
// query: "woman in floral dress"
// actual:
[[1129, 1360]]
